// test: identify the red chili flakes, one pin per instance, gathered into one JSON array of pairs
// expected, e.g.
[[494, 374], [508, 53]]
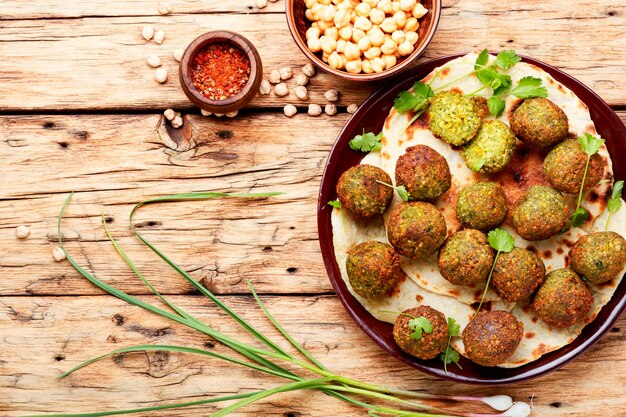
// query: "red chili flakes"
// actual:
[[220, 70]]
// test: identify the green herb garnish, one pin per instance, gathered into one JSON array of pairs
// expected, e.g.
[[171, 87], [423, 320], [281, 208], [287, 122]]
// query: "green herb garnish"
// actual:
[[450, 355], [335, 203], [413, 100], [402, 192], [496, 105], [501, 241], [419, 325], [367, 142], [529, 87], [507, 59], [615, 202]]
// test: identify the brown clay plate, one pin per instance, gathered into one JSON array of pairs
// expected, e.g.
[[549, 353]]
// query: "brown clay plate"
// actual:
[[371, 116]]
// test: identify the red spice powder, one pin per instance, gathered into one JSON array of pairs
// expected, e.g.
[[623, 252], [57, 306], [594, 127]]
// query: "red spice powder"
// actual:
[[220, 70]]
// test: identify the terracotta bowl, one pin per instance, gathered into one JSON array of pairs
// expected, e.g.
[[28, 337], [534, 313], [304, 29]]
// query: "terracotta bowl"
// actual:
[[240, 99], [371, 117], [298, 25]]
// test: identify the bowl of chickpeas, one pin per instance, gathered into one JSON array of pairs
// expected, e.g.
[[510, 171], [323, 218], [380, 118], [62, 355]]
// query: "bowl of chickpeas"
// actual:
[[363, 40]]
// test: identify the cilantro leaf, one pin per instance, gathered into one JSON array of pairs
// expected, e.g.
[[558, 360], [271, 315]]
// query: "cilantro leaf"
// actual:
[[492, 78], [615, 202], [478, 164], [501, 240], [453, 327], [367, 142], [506, 59], [529, 87], [403, 193], [413, 100], [578, 218], [496, 107], [335, 203], [450, 355], [590, 143], [423, 90], [419, 325], [482, 59]]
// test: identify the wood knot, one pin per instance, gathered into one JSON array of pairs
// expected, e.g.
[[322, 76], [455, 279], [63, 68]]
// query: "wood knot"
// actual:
[[179, 140]]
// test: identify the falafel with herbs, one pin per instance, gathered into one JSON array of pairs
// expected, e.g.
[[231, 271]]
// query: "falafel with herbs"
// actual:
[[492, 337], [517, 274], [424, 173], [416, 229], [539, 122], [565, 165], [563, 300], [428, 345], [454, 117], [482, 206], [361, 195], [492, 148], [373, 269], [540, 213], [599, 257], [466, 258]]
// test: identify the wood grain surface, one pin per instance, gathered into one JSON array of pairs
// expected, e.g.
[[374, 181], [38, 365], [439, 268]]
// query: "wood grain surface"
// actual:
[[80, 111]]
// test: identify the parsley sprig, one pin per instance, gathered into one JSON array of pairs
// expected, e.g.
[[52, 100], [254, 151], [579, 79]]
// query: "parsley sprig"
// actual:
[[420, 325], [615, 202], [335, 203], [450, 355], [367, 142], [501, 241], [590, 145], [402, 192], [414, 100]]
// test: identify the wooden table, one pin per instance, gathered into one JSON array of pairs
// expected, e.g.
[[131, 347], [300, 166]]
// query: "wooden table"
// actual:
[[80, 111]]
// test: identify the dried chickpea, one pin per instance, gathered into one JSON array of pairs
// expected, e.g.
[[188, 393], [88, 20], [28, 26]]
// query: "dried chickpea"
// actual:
[[377, 16], [335, 61], [398, 36], [352, 51], [341, 46], [332, 32], [323, 25], [313, 32], [325, 2], [388, 47], [372, 53], [309, 3], [407, 5], [308, 70], [385, 5], [363, 9], [364, 44], [372, 3], [400, 19], [329, 13], [345, 33], [411, 37], [341, 18], [362, 23], [390, 61], [405, 48], [419, 11], [316, 11], [314, 44], [325, 57], [396, 6], [327, 44], [354, 67], [411, 25], [377, 36], [389, 25], [357, 35], [344, 61], [366, 66]]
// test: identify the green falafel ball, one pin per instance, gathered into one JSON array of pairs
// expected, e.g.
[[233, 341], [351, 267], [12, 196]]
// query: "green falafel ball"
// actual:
[[540, 213], [424, 173], [492, 337], [539, 122], [373, 269], [454, 117], [429, 345], [599, 257], [517, 274], [565, 165], [416, 229], [492, 148], [563, 300], [466, 258], [482, 206], [361, 196]]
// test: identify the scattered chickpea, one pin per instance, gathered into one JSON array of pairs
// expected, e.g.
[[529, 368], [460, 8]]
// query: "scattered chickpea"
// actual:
[[285, 73], [22, 232], [330, 109], [290, 110], [352, 108], [178, 54], [265, 87], [177, 122], [154, 61], [261, 4], [232, 114], [315, 110], [205, 113], [58, 254], [274, 77], [302, 79], [301, 92], [147, 32], [218, 114], [281, 90], [165, 8], [331, 95], [308, 70], [160, 75], [169, 114], [159, 36]]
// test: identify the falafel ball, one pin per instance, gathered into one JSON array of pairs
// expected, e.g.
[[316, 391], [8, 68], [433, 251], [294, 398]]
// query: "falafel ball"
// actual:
[[373, 269], [429, 345], [454, 117], [466, 258], [517, 274], [540, 213], [424, 173], [492, 148], [416, 229], [539, 122], [492, 337], [565, 165], [361, 196], [482, 206], [563, 300], [599, 257]]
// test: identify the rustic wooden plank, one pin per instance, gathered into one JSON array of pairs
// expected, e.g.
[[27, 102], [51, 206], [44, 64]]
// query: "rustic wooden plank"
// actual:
[[49, 335], [115, 161], [39, 9], [99, 63]]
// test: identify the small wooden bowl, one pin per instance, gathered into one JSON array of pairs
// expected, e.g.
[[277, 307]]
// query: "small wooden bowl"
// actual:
[[231, 103], [298, 25]]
